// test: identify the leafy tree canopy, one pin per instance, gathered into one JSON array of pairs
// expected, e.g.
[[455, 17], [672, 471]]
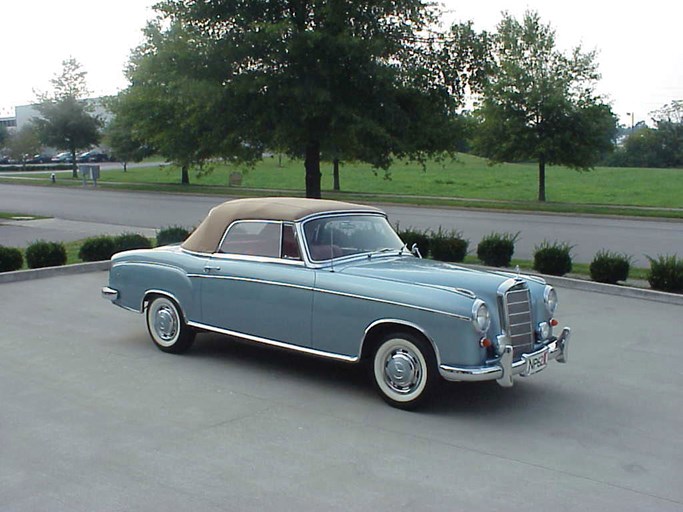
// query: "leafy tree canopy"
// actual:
[[539, 103], [4, 135], [23, 143], [362, 79], [65, 120]]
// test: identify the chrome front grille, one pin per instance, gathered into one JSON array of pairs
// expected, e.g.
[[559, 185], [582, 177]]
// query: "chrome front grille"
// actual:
[[517, 307]]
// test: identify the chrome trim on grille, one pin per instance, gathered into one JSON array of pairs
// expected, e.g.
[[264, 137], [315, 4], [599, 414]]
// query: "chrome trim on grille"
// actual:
[[516, 320]]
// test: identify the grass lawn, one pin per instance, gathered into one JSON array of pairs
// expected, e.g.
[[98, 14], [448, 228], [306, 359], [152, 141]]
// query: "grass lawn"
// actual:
[[468, 177], [466, 182]]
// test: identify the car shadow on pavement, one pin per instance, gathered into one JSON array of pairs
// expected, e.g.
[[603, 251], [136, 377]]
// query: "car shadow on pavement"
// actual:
[[525, 400]]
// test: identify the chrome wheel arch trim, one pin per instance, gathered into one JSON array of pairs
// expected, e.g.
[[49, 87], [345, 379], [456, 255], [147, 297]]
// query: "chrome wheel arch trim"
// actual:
[[163, 293], [275, 343], [400, 323]]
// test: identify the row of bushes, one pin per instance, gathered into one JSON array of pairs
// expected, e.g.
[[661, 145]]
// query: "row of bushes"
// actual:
[[496, 250], [42, 254]]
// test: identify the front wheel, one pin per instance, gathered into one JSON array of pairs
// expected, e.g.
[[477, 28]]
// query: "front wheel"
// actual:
[[166, 326], [404, 370]]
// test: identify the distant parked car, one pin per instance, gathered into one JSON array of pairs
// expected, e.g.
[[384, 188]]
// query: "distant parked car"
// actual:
[[39, 159], [64, 157], [94, 156], [334, 280]]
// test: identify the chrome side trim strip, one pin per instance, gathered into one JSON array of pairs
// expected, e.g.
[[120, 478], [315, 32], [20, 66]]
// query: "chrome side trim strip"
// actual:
[[394, 303], [252, 280], [146, 264], [330, 292], [274, 343]]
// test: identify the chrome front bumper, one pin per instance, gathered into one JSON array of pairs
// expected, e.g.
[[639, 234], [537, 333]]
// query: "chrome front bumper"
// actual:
[[110, 294], [506, 368]]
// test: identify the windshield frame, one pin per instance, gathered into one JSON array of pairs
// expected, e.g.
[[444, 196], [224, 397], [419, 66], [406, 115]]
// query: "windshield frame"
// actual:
[[398, 250]]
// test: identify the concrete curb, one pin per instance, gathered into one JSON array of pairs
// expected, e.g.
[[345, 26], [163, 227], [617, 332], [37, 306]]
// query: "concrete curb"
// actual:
[[562, 282], [65, 270], [613, 289]]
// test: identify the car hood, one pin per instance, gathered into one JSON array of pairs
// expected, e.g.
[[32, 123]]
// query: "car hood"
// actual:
[[431, 273]]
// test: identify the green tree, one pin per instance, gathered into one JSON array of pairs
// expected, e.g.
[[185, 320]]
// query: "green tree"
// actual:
[[122, 139], [66, 121], [23, 143], [539, 103], [4, 135], [232, 78]]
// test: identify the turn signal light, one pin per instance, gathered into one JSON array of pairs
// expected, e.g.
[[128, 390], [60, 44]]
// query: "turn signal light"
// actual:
[[554, 322], [485, 342]]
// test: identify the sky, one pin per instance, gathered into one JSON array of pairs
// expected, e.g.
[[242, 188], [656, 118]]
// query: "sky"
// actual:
[[638, 44]]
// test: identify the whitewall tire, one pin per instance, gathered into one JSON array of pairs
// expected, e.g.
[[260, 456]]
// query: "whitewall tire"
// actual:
[[404, 370], [167, 327]]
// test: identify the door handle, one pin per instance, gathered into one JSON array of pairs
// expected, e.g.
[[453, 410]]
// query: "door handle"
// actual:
[[209, 268]]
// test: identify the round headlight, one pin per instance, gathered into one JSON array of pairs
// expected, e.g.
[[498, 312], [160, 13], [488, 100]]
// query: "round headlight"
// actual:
[[481, 318], [550, 298]]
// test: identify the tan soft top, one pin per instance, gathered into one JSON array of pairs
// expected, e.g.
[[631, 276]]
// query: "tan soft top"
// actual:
[[208, 234]]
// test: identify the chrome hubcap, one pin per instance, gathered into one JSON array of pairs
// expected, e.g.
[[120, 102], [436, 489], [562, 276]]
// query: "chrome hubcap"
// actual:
[[166, 323], [402, 371]]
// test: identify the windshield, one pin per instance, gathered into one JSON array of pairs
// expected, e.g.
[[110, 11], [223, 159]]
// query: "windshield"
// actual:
[[345, 235]]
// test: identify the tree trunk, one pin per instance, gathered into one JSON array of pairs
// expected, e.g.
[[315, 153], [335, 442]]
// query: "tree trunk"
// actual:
[[541, 178], [335, 171], [312, 165], [74, 167], [185, 176]]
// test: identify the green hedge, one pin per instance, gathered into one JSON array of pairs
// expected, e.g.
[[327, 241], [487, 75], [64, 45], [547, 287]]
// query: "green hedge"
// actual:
[[666, 274], [609, 267], [496, 249], [11, 259], [45, 254], [553, 258]]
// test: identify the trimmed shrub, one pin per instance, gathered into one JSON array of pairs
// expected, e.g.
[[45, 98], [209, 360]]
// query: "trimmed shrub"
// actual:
[[45, 254], [99, 248], [10, 259], [554, 259], [129, 241], [666, 274], [496, 249], [448, 246], [610, 267], [412, 236], [171, 235]]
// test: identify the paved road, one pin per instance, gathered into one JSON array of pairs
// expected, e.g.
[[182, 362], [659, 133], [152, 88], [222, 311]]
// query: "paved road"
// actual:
[[122, 210], [94, 418]]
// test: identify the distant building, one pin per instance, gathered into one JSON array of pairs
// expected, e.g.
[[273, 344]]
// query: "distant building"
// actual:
[[8, 122], [25, 113]]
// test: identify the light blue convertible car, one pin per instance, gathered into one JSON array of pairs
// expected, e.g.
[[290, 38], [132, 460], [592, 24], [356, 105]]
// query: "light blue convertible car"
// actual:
[[333, 279]]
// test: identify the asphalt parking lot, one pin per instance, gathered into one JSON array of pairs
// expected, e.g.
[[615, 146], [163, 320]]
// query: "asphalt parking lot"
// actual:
[[94, 418]]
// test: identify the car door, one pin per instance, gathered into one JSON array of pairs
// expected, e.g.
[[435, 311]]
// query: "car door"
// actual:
[[257, 284]]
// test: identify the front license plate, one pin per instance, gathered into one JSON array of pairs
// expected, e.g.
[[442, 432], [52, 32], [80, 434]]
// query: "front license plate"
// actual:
[[536, 362]]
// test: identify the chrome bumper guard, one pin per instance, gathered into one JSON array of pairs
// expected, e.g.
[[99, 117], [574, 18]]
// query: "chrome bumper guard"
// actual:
[[506, 368], [110, 294]]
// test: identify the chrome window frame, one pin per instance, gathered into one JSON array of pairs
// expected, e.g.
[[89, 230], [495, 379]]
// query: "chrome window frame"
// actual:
[[327, 262], [251, 221]]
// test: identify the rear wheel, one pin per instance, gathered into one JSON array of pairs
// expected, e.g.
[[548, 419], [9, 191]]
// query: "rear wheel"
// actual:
[[404, 370], [166, 326]]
